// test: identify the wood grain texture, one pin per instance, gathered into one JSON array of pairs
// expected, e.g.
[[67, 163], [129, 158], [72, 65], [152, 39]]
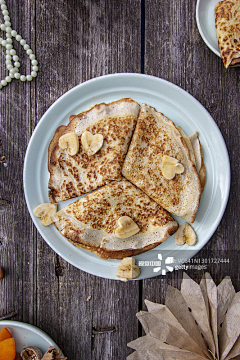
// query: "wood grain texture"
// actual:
[[181, 57], [84, 40], [17, 116], [75, 41]]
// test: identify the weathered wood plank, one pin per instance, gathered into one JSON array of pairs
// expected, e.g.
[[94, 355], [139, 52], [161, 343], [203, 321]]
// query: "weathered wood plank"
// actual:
[[77, 41], [73, 41], [181, 57], [17, 112]]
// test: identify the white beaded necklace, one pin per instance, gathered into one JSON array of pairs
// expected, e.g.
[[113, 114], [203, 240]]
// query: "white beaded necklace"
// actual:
[[11, 53]]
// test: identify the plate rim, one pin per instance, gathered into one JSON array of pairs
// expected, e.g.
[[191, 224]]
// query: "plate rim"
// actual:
[[213, 49], [136, 75]]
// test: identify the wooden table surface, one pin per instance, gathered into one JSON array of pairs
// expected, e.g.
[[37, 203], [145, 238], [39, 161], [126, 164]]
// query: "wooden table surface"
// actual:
[[75, 41]]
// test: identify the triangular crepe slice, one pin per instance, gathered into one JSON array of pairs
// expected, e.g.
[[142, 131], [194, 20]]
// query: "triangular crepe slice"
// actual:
[[227, 15], [91, 221], [156, 136], [72, 176]]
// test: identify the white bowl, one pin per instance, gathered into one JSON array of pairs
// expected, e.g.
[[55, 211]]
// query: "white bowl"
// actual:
[[27, 335]]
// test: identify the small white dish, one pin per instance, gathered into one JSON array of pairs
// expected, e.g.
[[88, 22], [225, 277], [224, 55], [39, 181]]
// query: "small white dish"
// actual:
[[28, 335], [205, 17]]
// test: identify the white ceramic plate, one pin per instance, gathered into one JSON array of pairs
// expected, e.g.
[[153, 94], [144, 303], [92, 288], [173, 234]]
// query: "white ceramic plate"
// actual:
[[205, 17], [28, 335], [175, 103]]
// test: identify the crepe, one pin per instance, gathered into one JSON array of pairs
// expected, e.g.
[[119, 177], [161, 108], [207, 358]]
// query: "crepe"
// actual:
[[196, 154], [199, 161], [155, 136], [227, 23], [90, 222], [72, 176]]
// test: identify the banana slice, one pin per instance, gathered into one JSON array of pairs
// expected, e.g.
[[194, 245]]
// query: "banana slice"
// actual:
[[91, 143], [45, 211], [127, 269], [171, 167], [126, 227], [185, 234], [70, 142]]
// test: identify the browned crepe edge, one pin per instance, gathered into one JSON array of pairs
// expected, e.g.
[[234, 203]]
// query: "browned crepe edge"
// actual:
[[184, 144], [202, 172], [120, 254], [53, 146], [54, 143]]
